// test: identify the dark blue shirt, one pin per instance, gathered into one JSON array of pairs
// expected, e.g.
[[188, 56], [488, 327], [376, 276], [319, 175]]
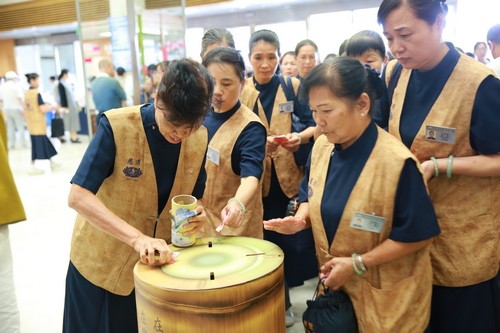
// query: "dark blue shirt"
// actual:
[[267, 95], [98, 162], [414, 216], [250, 148], [425, 87]]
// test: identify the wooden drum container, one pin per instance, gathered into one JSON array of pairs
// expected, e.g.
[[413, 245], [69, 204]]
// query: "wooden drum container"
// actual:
[[220, 284]]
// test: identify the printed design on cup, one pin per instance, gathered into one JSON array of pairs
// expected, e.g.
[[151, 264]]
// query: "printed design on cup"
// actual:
[[133, 170], [183, 207]]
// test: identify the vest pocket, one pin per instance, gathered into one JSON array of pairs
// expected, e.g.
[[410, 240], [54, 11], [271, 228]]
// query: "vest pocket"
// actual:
[[405, 307]]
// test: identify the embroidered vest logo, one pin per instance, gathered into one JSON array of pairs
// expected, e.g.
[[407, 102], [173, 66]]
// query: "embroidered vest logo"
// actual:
[[133, 169]]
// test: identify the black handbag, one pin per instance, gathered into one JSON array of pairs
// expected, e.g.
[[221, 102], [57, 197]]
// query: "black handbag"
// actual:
[[57, 127], [330, 312]]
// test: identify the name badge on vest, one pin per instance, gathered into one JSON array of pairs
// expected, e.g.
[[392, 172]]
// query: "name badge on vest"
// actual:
[[440, 134], [213, 155], [367, 222], [286, 107]]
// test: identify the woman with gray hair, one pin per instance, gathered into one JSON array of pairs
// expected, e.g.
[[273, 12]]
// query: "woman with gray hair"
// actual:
[[216, 37]]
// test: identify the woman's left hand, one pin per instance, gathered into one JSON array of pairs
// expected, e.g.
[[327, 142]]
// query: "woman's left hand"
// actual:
[[337, 272], [196, 222]]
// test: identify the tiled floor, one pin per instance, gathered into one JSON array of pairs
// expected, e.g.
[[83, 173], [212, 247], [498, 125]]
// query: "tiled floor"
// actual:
[[40, 245]]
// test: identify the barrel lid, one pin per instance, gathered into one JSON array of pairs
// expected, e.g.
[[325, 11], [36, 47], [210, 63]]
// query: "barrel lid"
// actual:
[[214, 262]]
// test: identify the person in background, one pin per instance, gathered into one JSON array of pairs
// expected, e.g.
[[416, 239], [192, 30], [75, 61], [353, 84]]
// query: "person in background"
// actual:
[[306, 53], [236, 152], [156, 76], [329, 57], [147, 92], [493, 39], [153, 151], [11, 95], [126, 84], [480, 50], [216, 37], [462, 164], [68, 106], [12, 211], [34, 110], [342, 48], [365, 198], [264, 95], [288, 64], [107, 92], [368, 47]]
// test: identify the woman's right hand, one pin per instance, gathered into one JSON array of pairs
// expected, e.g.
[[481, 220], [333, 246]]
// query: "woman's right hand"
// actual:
[[153, 251], [288, 225], [428, 170], [272, 145]]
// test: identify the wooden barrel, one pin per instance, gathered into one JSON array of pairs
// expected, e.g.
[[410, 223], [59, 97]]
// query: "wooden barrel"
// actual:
[[220, 284]]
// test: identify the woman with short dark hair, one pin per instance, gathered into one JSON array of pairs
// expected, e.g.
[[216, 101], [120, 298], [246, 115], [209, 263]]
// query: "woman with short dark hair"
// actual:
[[138, 160]]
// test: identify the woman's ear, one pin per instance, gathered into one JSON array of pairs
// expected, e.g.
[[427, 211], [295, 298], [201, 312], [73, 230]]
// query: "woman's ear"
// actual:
[[364, 104]]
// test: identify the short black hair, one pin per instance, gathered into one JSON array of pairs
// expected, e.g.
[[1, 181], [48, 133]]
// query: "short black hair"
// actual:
[[426, 10], [303, 43], [228, 56], [494, 34], [185, 92], [31, 76], [267, 36], [363, 41], [63, 72], [120, 71], [345, 77]]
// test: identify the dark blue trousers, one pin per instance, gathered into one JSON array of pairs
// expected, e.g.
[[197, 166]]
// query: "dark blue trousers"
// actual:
[[91, 309], [465, 309]]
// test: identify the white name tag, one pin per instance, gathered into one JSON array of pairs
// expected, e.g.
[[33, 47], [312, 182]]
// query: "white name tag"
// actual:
[[213, 155], [286, 107], [367, 222], [440, 134]]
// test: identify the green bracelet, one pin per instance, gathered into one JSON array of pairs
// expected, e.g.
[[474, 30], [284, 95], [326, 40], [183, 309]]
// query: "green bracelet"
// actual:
[[449, 166], [298, 136], [361, 263], [358, 270], [436, 168]]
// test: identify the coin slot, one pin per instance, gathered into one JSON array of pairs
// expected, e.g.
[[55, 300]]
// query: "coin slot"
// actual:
[[212, 276], [210, 244]]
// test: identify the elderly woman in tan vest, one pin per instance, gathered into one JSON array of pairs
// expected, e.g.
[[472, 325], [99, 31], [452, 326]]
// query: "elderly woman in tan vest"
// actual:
[[236, 152], [445, 109], [138, 160], [365, 198]]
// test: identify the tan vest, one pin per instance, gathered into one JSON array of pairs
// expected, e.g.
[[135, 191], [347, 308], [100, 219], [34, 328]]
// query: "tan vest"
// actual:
[[395, 296], [222, 182], [35, 118], [467, 251], [131, 193], [289, 174], [11, 207]]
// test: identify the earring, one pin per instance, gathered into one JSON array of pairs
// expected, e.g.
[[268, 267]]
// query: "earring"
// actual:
[[362, 115]]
